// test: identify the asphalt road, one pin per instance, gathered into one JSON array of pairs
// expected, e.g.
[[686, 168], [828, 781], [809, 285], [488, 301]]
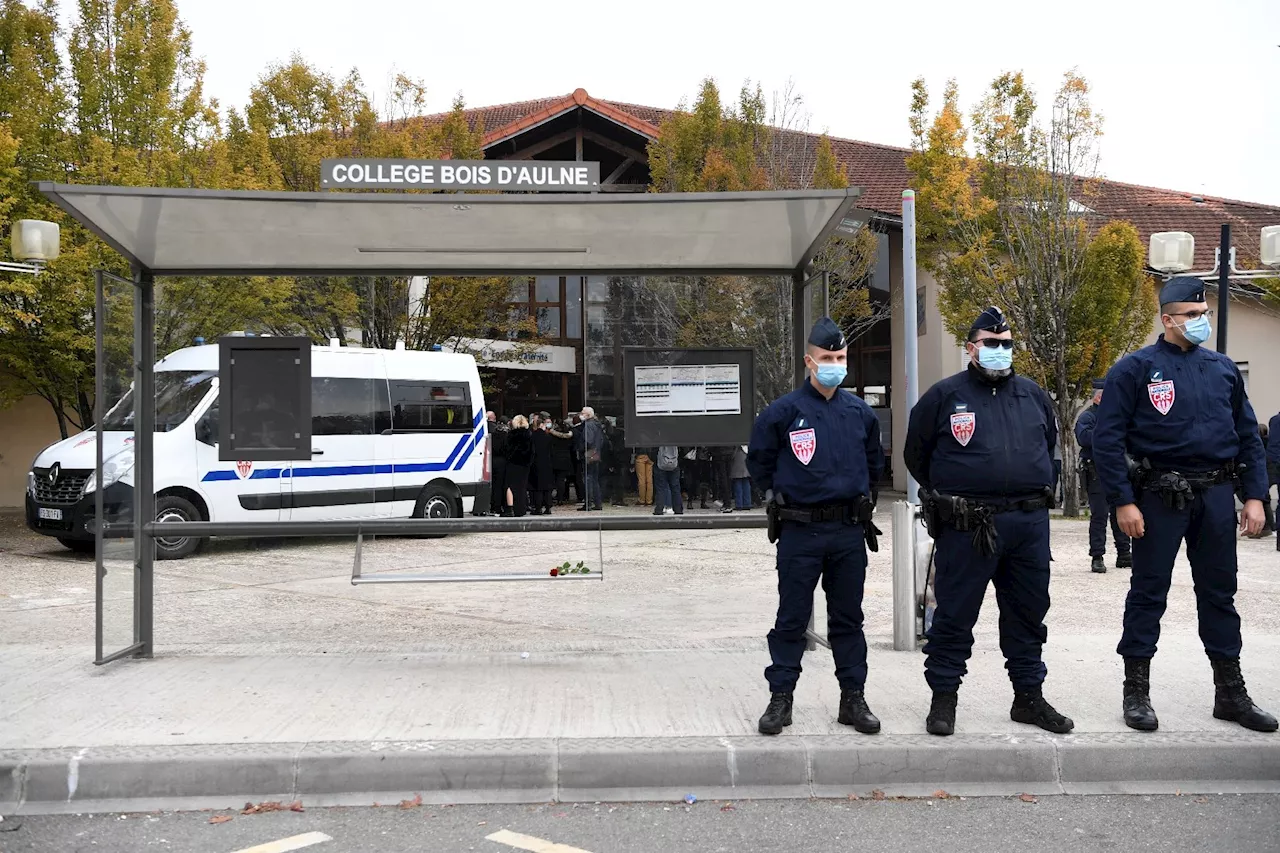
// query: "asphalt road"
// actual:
[[1169, 824]]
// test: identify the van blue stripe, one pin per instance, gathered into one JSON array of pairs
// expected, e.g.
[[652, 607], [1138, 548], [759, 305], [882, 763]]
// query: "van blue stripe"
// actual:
[[457, 458]]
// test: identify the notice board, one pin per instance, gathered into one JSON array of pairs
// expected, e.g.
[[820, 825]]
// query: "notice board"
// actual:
[[688, 397]]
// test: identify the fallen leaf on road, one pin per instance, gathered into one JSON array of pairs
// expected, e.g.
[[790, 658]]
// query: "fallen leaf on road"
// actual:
[[941, 795], [1027, 798], [411, 804], [727, 808], [220, 818], [877, 794], [296, 806], [854, 797], [261, 808], [1202, 799]]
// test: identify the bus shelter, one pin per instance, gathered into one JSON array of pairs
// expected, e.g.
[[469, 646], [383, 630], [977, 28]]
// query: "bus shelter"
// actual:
[[188, 232]]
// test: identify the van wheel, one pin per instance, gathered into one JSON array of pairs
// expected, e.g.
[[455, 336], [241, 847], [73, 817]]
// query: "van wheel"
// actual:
[[436, 503], [80, 546], [174, 508]]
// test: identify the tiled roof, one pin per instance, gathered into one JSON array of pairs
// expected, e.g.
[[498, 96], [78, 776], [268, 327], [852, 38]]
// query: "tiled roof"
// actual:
[[881, 171]]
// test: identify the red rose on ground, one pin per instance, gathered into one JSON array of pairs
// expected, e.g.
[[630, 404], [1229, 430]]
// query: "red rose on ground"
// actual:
[[555, 572]]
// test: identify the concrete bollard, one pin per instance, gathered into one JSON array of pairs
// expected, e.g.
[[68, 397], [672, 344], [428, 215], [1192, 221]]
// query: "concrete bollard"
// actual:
[[904, 576]]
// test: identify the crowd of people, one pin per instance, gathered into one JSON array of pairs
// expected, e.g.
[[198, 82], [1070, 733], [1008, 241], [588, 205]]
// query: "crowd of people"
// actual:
[[539, 462]]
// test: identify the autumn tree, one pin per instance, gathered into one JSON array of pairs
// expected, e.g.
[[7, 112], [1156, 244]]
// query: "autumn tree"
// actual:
[[711, 147], [1008, 223]]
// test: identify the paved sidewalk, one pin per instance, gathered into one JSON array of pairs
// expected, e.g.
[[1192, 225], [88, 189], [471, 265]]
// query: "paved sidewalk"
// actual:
[[276, 678]]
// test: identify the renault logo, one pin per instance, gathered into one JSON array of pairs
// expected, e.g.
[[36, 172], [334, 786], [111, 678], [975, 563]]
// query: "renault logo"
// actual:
[[54, 473]]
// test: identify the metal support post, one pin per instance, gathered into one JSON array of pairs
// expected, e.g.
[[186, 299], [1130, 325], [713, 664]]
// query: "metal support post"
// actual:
[[904, 576], [144, 330], [1224, 285], [910, 337], [798, 326]]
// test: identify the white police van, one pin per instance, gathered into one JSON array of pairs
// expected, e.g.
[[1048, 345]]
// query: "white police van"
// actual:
[[395, 434]]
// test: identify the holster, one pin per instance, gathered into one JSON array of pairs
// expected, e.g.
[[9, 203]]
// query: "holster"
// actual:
[[963, 515], [1087, 473], [775, 522]]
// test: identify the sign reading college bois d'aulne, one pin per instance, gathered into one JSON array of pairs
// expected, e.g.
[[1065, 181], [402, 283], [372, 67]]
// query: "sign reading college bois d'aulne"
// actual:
[[512, 176]]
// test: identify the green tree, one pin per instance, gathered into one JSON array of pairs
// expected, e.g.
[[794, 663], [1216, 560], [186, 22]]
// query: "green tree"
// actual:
[[1010, 225]]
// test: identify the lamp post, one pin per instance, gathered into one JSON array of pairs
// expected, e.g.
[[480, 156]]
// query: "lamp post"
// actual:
[[33, 241], [1174, 253]]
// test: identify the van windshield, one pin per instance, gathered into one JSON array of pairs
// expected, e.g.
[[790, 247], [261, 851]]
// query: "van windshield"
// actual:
[[177, 394]]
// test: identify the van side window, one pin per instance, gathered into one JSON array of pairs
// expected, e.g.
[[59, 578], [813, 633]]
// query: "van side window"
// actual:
[[349, 406], [431, 406], [207, 426]]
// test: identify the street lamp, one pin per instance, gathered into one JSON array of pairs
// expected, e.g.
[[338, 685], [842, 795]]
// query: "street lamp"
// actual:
[[1174, 252], [34, 241]]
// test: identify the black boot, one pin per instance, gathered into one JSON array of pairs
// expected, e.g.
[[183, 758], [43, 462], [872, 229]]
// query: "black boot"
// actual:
[[855, 712], [1030, 706], [1124, 561], [1231, 701], [778, 715], [1099, 566], [1138, 713], [942, 713]]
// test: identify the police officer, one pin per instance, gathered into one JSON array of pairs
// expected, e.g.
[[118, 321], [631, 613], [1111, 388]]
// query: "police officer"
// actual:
[[1181, 413], [1099, 511], [816, 452], [980, 444], [1273, 475]]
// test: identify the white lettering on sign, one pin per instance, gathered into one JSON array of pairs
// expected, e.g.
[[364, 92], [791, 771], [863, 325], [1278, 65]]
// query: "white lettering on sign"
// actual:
[[397, 173], [340, 172], [460, 174], [504, 174]]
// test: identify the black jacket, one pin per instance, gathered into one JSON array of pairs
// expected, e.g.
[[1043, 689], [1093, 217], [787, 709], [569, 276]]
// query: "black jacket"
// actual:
[[561, 453], [519, 447], [541, 477]]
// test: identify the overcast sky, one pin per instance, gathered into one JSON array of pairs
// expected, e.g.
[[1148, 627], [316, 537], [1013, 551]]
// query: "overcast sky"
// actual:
[[1190, 91]]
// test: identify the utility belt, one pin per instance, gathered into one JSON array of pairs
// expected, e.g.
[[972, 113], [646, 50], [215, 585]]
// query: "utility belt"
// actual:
[[1176, 488], [968, 515], [858, 511], [1088, 473]]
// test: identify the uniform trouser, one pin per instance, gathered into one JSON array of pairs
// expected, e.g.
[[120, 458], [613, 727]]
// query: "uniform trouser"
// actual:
[[644, 478], [1273, 479], [836, 553], [1099, 512], [1020, 572], [1208, 525], [498, 496]]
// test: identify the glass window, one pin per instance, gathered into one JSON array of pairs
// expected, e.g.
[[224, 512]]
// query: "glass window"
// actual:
[[597, 288], [549, 322], [573, 307], [430, 406], [177, 393], [519, 290], [349, 406], [547, 288]]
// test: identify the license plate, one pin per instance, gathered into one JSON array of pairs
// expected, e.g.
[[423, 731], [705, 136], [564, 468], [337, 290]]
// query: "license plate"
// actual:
[[49, 514]]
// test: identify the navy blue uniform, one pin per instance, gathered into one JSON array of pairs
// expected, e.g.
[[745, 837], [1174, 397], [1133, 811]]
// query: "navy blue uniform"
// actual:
[[1099, 509], [1186, 412], [991, 441], [1273, 472], [818, 452]]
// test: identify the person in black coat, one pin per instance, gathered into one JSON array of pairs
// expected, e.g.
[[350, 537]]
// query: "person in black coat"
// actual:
[[519, 456], [498, 438], [542, 480], [562, 461]]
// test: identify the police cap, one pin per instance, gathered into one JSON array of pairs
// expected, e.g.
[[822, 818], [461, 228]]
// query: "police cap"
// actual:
[[827, 335], [1099, 384], [1183, 288], [991, 320]]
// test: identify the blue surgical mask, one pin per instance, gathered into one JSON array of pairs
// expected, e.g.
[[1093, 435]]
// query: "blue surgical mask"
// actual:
[[1197, 330], [995, 358], [831, 375]]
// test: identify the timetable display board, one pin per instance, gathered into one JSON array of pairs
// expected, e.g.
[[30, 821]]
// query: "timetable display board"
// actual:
[[688, 397]]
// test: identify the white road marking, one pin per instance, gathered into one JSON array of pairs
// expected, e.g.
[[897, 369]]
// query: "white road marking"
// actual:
[[295, 842], [528, 842]]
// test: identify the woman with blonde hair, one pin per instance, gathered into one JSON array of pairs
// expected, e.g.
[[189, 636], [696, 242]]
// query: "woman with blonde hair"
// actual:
[[519, 455]]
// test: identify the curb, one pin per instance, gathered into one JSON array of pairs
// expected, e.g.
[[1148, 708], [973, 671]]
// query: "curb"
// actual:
[[221, 776]]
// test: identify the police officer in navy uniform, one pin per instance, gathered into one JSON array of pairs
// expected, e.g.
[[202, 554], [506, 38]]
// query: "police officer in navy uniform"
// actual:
[[1180, 413], [1099, 511], [980, 444], [816, 453], [1273, 477]]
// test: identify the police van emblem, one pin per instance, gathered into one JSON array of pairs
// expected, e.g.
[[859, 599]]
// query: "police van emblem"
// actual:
[[243, 469], [803, 444], [962, 426], [1161, 394]]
